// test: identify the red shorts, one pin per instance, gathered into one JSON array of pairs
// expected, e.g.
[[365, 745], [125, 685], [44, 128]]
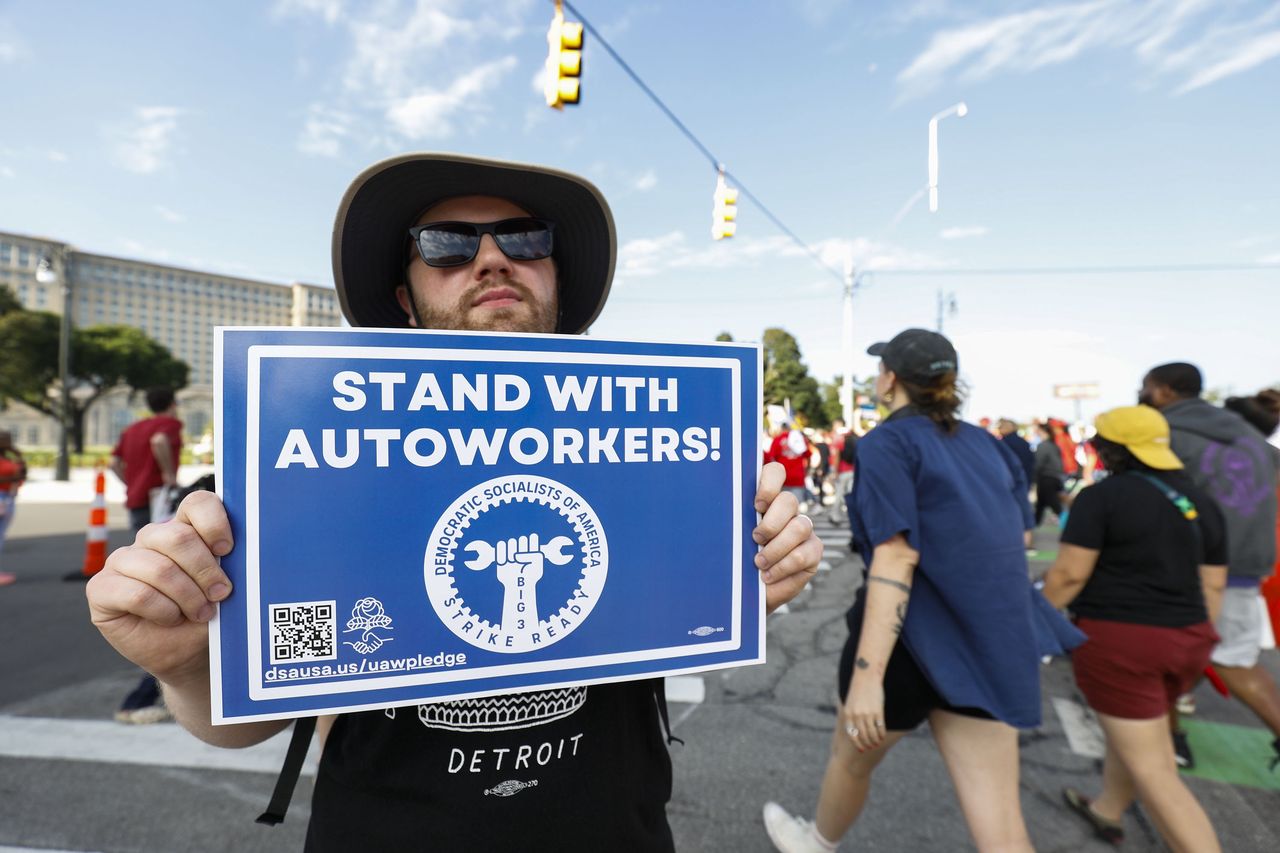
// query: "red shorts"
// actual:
[[1135, 672]]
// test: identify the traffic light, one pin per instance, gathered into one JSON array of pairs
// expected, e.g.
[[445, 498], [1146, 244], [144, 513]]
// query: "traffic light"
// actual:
[[564, 61], [724, 215]]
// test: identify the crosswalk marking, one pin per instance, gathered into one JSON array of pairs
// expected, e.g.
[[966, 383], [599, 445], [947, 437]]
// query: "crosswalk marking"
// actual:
[[1082, 730], [686, 688], [165, 745]]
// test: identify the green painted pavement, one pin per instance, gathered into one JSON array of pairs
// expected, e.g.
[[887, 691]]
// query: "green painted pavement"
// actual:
[[1237, 755]]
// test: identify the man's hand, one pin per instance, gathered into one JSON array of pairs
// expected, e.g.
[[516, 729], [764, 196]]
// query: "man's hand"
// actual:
[[153, 599], [789, 549]]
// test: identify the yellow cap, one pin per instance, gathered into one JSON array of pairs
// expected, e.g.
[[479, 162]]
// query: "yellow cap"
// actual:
[[1143, 431]]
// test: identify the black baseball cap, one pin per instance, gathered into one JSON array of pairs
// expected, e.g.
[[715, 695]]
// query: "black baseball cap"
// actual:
[[918, 355]]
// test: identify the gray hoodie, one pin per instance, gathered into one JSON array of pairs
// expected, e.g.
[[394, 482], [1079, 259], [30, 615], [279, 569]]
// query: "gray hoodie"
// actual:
[[1228, 458]]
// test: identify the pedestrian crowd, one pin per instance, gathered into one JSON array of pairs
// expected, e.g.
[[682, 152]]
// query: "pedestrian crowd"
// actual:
[[947, 627], [1168, 511]]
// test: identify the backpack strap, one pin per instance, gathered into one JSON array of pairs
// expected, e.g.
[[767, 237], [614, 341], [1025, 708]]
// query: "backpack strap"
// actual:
[[1183, 503], [299, 743], [660, 696]]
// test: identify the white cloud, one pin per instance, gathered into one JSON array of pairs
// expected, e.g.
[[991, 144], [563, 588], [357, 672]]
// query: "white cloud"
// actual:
[[1255, 241], [427, 113], [143, 146], [324, 131], [1195, 40], [169, 215], [964, 232], [645, 182], [6, 172], [11, 47], [56, 156], [1248, 55], [411, 69], [329, 10], [1270, 259]]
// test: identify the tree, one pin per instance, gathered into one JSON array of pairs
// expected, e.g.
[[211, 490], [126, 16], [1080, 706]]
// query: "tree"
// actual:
[[102, 358], [8, 302], [831, 395], [724, 337], [787, 378]]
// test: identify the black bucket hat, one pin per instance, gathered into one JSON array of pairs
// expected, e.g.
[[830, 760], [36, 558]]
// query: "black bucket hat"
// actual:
[[371, 230]]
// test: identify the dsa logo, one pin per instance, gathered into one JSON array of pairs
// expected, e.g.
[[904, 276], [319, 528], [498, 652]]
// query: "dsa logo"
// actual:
[[516, 564]]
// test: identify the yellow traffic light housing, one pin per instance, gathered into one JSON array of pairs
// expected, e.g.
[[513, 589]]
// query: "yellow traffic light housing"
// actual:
[[724, 214], [564, 61]]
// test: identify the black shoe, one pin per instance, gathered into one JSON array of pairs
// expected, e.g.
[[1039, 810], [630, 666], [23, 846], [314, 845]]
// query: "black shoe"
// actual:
[[1108, 830], [1182, 751], [1275, 744], [145, 695]]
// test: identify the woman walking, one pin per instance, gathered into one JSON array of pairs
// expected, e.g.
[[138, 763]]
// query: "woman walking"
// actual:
[[1142, 566], [943, 628]]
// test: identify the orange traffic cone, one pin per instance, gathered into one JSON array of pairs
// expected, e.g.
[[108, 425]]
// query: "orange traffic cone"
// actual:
[[95, 546]]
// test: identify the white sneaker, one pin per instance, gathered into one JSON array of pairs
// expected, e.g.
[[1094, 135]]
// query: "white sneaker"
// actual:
[[1186, 704], [791, 834], [144, 716]]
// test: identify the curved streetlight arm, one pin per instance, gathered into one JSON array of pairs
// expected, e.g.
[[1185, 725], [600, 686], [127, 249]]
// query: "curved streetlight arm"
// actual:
[[959, 110]]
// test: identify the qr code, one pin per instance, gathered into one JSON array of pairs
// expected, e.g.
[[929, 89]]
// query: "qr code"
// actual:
[[304, 631]]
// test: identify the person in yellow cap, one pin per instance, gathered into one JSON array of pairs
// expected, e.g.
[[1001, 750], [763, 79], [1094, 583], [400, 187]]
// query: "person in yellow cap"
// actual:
[[1142, 567]]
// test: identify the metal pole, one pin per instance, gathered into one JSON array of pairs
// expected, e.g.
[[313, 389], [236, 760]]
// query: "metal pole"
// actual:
[[960, 110], [941, 302], [846, 347], [63, 471]]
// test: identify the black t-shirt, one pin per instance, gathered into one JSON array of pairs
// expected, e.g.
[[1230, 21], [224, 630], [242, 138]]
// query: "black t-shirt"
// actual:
[[575, 769], [1148, 568]]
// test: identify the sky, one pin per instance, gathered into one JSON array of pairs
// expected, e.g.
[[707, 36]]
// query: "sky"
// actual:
[[1104, 138]]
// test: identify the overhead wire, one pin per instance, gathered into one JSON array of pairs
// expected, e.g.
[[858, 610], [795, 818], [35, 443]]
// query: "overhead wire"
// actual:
[[716, 163]]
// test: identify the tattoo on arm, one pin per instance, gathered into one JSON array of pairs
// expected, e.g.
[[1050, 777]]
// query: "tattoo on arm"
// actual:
[[902, 617], [895, 584], [861, 663]]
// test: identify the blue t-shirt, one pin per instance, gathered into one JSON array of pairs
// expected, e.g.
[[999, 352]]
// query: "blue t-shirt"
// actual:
[[960, 500]]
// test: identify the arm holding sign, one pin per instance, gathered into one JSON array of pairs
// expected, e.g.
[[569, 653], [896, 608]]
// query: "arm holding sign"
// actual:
[[789, 549], [153, 601]]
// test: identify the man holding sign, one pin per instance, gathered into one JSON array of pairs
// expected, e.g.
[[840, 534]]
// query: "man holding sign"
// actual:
[[459, 243]]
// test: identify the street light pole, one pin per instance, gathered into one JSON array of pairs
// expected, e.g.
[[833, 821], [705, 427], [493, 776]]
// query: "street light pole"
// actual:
[[846, 347], [959, 110], [49, 270]]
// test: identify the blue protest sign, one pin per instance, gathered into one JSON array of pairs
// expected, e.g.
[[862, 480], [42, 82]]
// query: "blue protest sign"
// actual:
[[422, 516]]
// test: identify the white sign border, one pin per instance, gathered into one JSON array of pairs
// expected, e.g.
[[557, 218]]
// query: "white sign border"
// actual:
[[258, 692]]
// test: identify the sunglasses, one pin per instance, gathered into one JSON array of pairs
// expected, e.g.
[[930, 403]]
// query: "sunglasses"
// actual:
[[451, 244]]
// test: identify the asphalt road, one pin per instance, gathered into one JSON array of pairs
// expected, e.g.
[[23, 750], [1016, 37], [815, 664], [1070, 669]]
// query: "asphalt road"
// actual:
[[760, 733]]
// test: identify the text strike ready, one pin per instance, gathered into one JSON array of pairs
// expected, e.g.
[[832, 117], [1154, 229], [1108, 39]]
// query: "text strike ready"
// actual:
[[425, 447]]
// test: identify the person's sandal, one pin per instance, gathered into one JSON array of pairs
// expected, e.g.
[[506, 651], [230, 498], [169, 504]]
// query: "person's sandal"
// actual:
[[1109, 831]]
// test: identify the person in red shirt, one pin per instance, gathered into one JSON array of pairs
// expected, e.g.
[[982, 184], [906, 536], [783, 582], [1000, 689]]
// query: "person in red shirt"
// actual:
[[146, 458], [792, 449], [13, 470]]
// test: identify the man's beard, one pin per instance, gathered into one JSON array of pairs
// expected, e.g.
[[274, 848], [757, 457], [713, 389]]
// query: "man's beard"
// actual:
[[527, 315]]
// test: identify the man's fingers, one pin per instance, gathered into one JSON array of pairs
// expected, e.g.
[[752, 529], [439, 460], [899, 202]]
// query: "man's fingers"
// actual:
[[112, 595], [772, 476], [183, 545], [802, 560], [779, 592], [782, 509], [797, 530], [159, 573], [204, 512]]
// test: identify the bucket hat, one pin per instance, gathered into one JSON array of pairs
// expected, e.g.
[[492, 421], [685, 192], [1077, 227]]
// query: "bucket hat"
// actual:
[[370, 232]]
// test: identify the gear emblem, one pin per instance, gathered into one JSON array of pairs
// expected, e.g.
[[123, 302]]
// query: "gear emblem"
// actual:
[[516, 564]]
